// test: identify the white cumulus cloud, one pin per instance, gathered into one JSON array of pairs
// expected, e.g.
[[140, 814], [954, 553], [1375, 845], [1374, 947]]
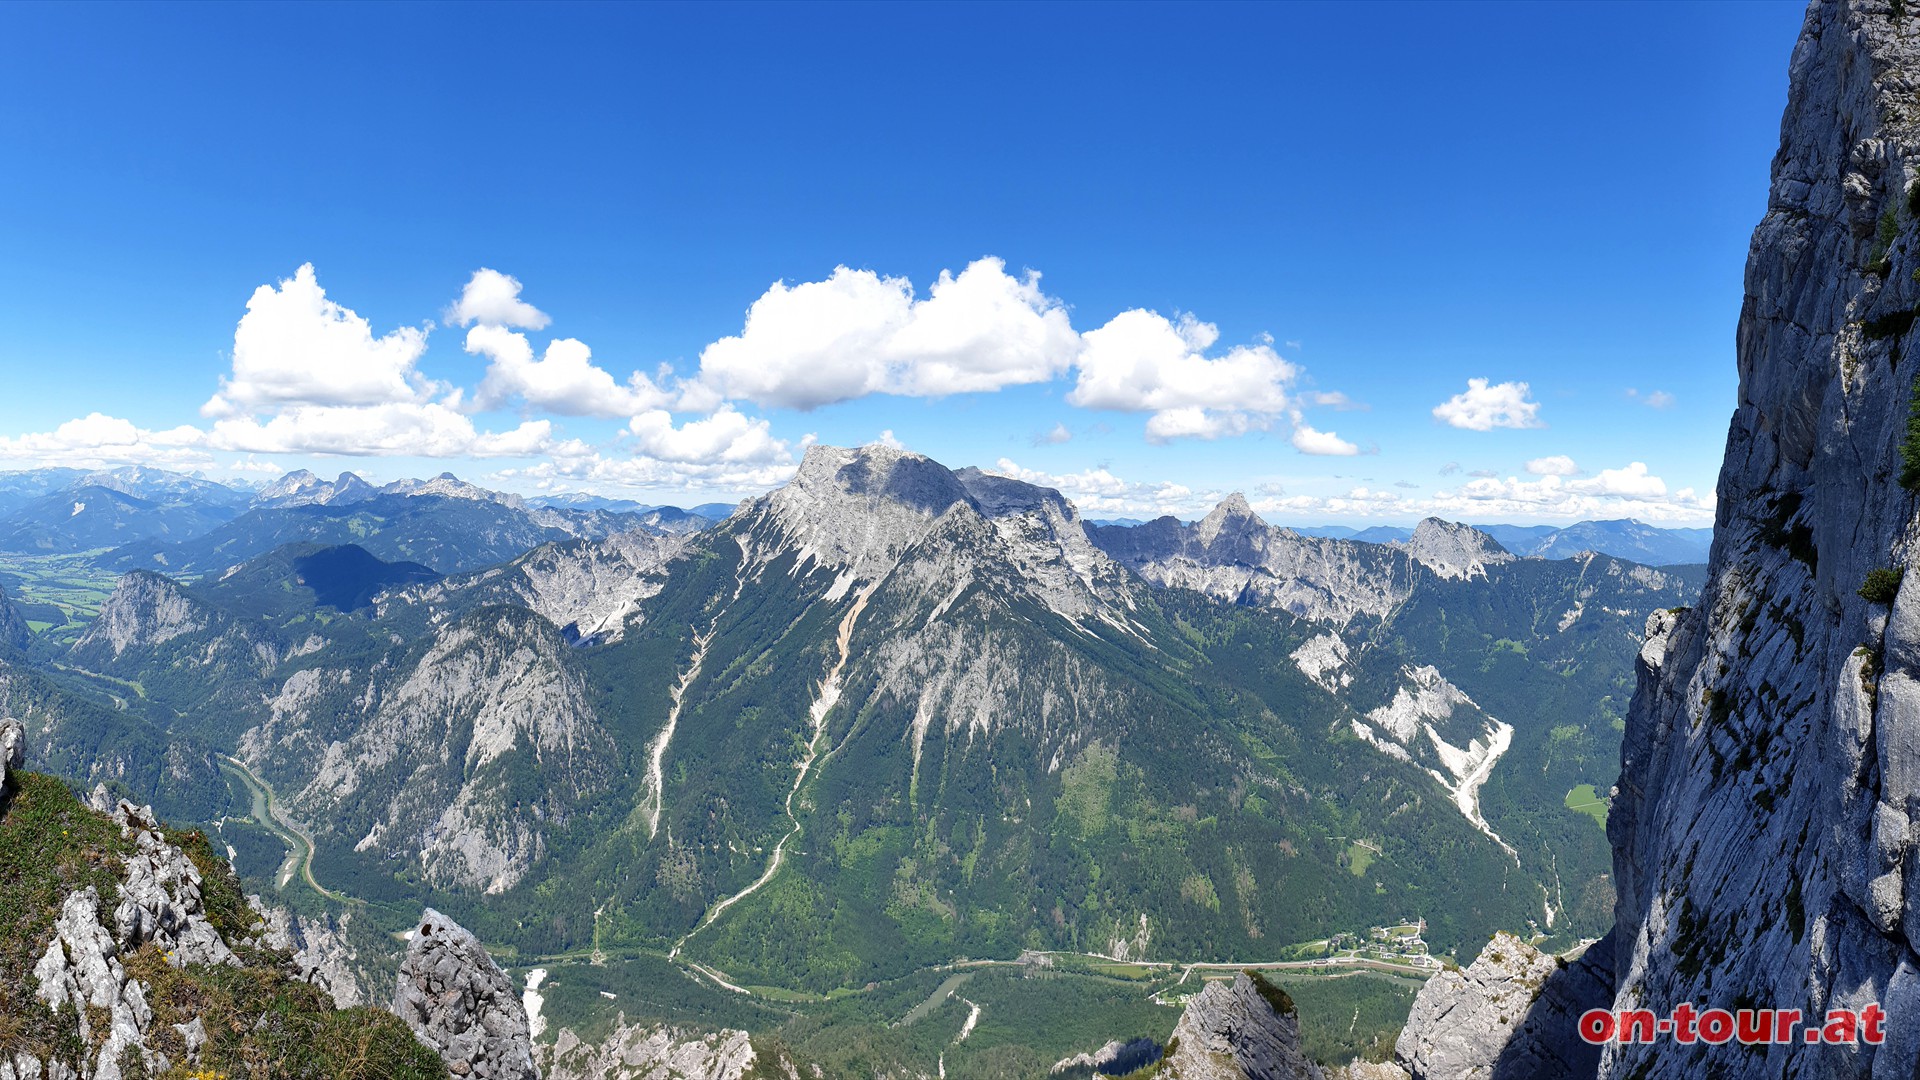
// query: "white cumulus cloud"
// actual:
[[1099, 493], [1483, 407], [564, 380], [1557, 465], [726, 437], [492, 298], [400, 428], [1141, 361], [97, 440], [1325, 443], [296, 347], [859, 333]]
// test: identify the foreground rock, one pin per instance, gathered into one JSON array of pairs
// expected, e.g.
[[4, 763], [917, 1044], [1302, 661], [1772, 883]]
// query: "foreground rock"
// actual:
[[640, 1052], [459, 1002], [129, 950], [1245, 1029], [1510, 1016]]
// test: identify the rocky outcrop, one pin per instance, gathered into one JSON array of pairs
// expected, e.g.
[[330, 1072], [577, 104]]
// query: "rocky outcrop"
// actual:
[[81, 971], [1510, 1016], [1455, 551], [160, 896], [322, 954], [1116, 1058], [1240, 1029], [106, 905], [642, 1052], [459, 1002], [13, 748]]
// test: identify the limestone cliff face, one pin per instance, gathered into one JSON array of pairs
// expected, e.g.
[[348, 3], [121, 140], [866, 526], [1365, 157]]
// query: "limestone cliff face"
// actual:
[[1766, 826], [410, 759], [1764, 830]]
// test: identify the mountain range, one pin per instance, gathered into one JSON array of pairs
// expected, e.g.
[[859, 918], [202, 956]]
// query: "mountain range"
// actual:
[[887, 715]]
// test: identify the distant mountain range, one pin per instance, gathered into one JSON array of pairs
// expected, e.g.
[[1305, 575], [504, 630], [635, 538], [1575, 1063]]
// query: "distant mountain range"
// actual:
[[154, 519], [1623, 538]]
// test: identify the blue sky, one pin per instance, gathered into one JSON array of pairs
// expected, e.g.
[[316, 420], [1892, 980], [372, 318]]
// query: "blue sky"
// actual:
[[1262, 233]]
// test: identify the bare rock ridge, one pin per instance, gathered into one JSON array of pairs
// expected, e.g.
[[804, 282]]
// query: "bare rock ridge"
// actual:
[[1240, 1029], [1511, 1015], [1765, 821], [1240, 559], [459, 1002], [640, 1052], [1116, 1058]]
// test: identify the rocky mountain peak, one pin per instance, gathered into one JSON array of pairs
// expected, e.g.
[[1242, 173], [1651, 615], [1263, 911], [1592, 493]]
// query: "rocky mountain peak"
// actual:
[[302, 488], [1233, 517], [144, 609], [874, 474], [459, 1002], [1452, 550], [996, 496], [858, 508], [1240, 1029]]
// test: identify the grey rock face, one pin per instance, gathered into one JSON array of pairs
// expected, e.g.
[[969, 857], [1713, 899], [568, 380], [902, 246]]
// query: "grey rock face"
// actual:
[[160, 899], [459, 1002], [1764, 826], [13, 748], [145, 609], [588, 588], [1229, 1031], [489, 688], [1114, 1059], [1452, 550], [636, 1052], [1511, 1015], [321, 952], [81, 971]]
